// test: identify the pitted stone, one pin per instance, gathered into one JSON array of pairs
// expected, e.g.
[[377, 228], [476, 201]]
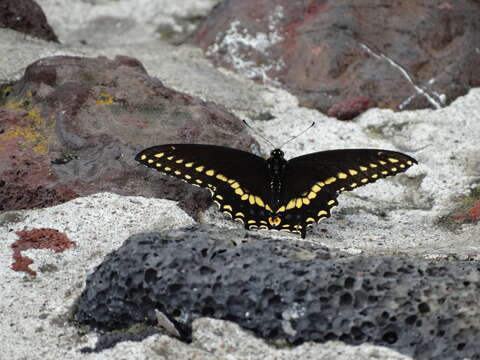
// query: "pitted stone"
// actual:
[[294, 291]]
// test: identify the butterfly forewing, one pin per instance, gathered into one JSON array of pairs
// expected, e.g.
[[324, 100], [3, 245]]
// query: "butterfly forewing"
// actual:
[[236, 179]]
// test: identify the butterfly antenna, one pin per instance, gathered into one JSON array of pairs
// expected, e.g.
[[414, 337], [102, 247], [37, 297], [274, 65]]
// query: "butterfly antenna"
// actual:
[[256, 131], [296, 136]]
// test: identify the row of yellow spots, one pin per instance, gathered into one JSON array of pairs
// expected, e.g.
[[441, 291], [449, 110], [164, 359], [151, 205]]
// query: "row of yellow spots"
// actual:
[[299, 202], [252, 199]]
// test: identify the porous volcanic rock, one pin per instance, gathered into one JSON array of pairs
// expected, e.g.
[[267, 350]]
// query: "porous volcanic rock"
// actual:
[[293, 291], [402, 55], [27, 17], [72, 126]]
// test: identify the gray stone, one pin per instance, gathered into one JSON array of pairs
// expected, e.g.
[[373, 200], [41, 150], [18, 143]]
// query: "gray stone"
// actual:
[[296, 292]]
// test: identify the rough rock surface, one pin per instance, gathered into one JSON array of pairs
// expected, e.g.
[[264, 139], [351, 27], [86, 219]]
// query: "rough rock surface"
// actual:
[[71, 127], [404, 55], [287, 291], [27, 17]]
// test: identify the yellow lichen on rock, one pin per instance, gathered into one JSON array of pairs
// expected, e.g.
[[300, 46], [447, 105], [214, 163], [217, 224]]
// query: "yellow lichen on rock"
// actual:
[[105, 99], [33, 134]]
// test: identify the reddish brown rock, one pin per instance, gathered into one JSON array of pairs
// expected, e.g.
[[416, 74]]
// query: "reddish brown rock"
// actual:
[[37, 239], [402, 55], [27, 17], [72, 126], [350, 108]]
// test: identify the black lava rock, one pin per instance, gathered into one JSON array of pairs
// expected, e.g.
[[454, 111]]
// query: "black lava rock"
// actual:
[[294, 291]]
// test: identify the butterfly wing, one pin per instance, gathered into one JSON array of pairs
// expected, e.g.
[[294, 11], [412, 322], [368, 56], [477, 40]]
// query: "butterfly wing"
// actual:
[[236, 179], [314, 181]]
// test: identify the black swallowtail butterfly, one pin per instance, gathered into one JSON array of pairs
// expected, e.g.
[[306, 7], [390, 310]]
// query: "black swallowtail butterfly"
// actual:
[[274, 193]]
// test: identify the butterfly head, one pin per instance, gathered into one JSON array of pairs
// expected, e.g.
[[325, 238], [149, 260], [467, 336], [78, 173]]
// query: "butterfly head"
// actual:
[[277, 153]]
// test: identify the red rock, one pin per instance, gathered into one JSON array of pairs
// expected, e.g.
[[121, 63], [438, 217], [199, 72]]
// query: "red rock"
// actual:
[[350, 108], [27, 17], [72, 126], [37, 239], [472, 215], [403, 55]]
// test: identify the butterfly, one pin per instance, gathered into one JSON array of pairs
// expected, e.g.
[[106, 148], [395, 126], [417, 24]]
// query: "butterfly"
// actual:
[[274, 193]]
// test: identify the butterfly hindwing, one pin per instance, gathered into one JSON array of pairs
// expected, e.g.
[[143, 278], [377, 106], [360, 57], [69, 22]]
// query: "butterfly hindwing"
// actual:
[[235, 178]]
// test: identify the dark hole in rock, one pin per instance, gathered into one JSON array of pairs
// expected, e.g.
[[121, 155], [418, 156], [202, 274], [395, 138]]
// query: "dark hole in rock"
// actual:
[[390, 337]]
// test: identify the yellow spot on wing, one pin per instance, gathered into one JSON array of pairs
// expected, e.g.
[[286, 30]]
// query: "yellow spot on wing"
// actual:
[[311, 195], [177, 172], [150, 161], [373, 165], [190, 164], [143, 157], [219, 197], [198, 181], [384, 172], [239, 191], [227, 207], [281, 209], [363, 168], [374, 176], [268, 208], [235, 185], [158, 156], [259, 201], [364, 180], [179, 161], [167, 169], [244, 197], [409, 162], [353, 185], [291, 204], [382, 162], [298, 203], [342, 175], [170, 158], [322, 212], [330, 180], [310, 220], [188, 177], [158, 165], [305, 201], [240, 214], [251, 199], [316, 188], [331, 202], [221, 177], [200, 168], [251, 221], [210, 172], [353, 172], [394, 169], [392, 160]]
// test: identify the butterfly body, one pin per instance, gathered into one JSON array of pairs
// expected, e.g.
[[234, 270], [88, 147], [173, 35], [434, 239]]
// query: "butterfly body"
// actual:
[[274, 193]]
